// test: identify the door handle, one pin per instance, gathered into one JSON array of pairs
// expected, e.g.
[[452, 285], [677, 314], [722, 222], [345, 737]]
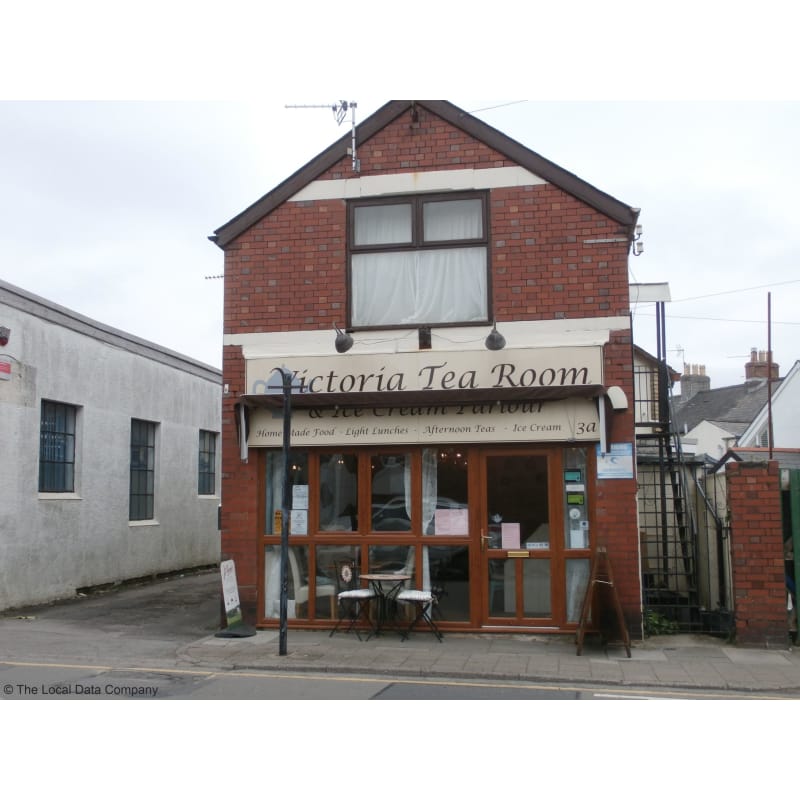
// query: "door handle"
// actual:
[[484, 539]]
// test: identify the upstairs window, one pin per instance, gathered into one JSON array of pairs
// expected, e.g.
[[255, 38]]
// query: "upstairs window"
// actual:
[[419, 260]]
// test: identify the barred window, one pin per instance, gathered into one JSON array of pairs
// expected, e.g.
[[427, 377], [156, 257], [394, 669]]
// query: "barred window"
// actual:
[[143, 467], [206, 477], [57, 448]]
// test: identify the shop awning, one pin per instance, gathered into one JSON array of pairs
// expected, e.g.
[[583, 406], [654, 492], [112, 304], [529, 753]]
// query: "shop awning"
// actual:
[[425, 397]]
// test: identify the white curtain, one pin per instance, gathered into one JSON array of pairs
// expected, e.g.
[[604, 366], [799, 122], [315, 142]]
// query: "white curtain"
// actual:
[[453, 219], [451, 285], [430, 489], [407, 483], [417, 287], [272, 582], [382, 224], [430, 492], [383, 288]]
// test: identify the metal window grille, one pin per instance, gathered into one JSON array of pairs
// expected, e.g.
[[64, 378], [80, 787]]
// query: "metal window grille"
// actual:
[[143, 460], [57, 448], [206, 477]]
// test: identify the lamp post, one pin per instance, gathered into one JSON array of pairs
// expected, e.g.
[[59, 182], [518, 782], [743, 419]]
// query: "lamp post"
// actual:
[[286, 381]]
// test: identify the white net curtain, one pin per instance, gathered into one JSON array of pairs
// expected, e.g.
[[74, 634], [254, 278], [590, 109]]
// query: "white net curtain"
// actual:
[[421, 286]]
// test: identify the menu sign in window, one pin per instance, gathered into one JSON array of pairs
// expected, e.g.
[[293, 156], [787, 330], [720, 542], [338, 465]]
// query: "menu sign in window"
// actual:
[[451, 521]]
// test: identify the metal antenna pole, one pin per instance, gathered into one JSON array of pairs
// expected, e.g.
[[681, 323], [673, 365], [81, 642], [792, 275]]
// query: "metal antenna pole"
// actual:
[[340, 110]]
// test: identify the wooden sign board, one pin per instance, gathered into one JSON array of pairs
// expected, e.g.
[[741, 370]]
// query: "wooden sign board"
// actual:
[[601, 605]]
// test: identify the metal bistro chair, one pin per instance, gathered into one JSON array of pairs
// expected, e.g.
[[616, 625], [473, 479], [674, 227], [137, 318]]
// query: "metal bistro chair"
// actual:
[[423, 600], [354, 602]]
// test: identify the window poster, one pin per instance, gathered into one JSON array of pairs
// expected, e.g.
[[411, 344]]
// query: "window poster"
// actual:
[[298, 524], [509, 535], [451, 521], [300, 496]]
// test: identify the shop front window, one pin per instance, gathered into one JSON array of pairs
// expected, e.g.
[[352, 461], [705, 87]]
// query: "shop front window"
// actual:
[[298, 476], [444, 492], [338, 492], [301, 597], [390, 490], [449, 571], [392, 558], [330, 558]]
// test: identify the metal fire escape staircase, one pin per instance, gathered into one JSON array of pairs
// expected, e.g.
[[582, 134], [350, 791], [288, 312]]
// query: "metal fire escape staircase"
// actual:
[[667, 526]]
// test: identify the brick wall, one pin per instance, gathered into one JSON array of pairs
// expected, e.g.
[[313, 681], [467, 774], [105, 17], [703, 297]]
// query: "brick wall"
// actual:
[[289, 272], [617, 511], [240, 495], [754, 504]]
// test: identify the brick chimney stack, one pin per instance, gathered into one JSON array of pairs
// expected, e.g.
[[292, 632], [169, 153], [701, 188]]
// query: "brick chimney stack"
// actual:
[[694, 380], [758, 367]]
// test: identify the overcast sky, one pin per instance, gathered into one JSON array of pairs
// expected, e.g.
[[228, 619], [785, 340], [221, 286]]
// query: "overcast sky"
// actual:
[[107, 207], [114, 170]]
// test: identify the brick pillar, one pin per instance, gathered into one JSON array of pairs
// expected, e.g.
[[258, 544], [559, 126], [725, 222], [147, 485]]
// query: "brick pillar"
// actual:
[[754, 503]]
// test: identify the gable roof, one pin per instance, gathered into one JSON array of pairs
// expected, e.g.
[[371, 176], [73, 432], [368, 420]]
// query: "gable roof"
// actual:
[[780, 386], [731, 408], [547, 170]]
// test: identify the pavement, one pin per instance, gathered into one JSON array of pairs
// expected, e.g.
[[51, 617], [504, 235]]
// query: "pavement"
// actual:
[[173, 623]]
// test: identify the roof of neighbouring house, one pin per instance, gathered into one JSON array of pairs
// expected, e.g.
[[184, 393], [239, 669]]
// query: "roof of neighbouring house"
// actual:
[[513, 150], [780, 388], [652, 361], [731, 408]]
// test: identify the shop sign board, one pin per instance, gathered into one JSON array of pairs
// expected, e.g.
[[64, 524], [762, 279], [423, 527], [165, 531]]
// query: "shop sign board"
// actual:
[[572, 419], [431, 370], [230, 592]]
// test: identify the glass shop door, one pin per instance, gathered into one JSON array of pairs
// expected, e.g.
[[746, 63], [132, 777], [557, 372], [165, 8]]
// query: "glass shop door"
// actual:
[[517, 553]]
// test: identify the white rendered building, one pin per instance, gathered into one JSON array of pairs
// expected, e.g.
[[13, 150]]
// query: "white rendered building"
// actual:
[[110, 456]]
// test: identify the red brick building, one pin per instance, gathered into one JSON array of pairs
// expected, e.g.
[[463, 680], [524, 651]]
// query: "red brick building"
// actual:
[[487, 466]]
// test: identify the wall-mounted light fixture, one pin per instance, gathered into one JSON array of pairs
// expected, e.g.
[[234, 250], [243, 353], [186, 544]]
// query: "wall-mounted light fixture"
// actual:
[[344, 341], [495, 340], [5, 334], [424, 338], [637, 246]]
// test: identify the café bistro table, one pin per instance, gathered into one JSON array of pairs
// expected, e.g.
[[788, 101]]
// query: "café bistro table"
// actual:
[[386, 585]]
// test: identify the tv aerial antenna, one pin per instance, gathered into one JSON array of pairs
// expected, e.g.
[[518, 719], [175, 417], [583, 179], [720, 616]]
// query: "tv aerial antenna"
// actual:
[[340, 110]]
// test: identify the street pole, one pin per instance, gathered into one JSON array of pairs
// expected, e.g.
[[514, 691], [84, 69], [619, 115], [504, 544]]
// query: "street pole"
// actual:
[[285, 506]]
